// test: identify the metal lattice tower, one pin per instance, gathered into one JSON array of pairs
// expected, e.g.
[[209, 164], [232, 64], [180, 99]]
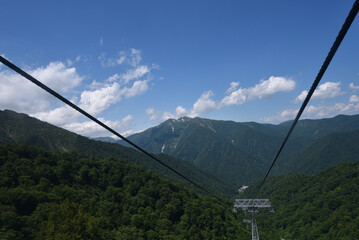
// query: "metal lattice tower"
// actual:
[[252, 206]]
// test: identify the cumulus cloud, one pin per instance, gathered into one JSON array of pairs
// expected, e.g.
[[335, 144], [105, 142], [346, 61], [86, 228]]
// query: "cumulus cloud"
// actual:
[[58, 116], [19, 94], [152, 113], [181, 111], [92, 129], [167, 116], [138, 88], [352, 86], [94, 102], [57, 76], [354, 99], [203, 105], [236, 96], [233, 87], [264, 89], [136, 73], [113, 78], [98, 100], [324, 91], [316, 111], [267, 88]]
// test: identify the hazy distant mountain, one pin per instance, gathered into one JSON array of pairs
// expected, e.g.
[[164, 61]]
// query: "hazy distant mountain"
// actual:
[[239, 152], [22, 129]]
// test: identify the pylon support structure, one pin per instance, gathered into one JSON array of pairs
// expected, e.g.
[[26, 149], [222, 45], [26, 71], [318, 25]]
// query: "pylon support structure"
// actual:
[[252, 206]]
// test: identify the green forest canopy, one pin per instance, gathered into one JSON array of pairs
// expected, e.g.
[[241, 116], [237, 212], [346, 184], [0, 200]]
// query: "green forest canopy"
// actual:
[[54, 195]]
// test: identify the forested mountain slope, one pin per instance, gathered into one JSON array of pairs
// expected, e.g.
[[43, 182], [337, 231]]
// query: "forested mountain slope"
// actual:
[[22, 129], [325, 152], [320, 206], [56, 195], [241, 152]]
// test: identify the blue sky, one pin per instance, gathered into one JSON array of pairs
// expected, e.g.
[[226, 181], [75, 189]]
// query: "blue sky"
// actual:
[[134, 64]]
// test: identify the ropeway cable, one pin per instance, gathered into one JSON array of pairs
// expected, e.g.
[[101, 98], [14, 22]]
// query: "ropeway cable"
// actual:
[[348, 21]]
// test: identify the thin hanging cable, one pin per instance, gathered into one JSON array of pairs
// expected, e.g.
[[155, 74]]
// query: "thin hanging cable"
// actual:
[[60, 97], [348, 21]]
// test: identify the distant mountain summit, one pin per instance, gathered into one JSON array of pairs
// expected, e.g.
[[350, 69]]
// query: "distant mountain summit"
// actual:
[[241, 152]]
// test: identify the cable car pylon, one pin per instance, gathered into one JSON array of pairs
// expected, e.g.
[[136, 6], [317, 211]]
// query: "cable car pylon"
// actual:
[[252, 206]]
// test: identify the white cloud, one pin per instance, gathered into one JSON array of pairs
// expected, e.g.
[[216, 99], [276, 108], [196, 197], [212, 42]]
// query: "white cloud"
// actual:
[[94, 102], [352, 86], [131, 58], [111, 62], [233, 87], [324, 91], [354, 99], [167, 116], [235, 98], [57, 76], [120, 60], [206, 103], [135, 57], [203, 105], [97, 101], [288, 114], [101, 42], [180, 112], [301, 97], [155, 66], [129, 133], [153, 114], [319, 111], [92, 129], [267, 88], [138, 88], [69, 62], [136, 73], [264, 89], [19, 94], [113, 78], [58, 116]]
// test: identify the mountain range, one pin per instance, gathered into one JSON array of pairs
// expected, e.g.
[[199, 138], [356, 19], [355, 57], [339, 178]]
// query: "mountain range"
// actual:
[[222, 155], [95, 183], [241, 152], [22, 129]]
